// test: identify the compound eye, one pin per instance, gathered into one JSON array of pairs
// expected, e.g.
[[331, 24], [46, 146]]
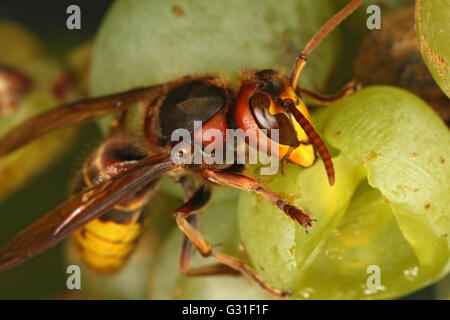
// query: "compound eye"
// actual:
[[260, 105]]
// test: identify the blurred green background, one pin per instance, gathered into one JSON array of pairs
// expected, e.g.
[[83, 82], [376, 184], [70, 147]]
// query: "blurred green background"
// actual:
[[44, 277]]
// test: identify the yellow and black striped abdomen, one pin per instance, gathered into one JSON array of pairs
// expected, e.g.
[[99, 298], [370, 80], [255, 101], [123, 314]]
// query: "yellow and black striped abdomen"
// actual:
[[106, 243]]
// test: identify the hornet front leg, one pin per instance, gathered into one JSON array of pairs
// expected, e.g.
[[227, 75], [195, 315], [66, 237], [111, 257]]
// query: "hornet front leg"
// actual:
[[241, 181]]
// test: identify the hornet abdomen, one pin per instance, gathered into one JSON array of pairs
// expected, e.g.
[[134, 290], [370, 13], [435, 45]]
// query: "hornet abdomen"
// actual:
[[106, 243]]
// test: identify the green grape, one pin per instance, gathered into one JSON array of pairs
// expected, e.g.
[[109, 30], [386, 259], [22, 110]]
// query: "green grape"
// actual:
[[279, 248], [148, 42], [405, 148], [433, 27], [396, 218]]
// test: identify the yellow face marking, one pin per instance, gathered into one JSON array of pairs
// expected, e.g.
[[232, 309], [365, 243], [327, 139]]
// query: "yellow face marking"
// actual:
[[275, 108], [304, 155], [299, 65]]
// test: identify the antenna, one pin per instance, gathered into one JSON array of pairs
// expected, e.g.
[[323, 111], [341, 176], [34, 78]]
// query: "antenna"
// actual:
[[319, 36]]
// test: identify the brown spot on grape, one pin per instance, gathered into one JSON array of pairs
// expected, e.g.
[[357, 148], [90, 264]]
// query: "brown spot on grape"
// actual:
[[262, 268], [372, 155], [439, 62], [445, 235], [338, 133], [413, 155], [177, 10], [427, 206], [442, 160], [416, 190]]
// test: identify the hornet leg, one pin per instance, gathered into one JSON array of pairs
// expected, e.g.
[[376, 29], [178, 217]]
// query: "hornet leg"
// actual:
[[244, 182], [227, 264], [327, 99]]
